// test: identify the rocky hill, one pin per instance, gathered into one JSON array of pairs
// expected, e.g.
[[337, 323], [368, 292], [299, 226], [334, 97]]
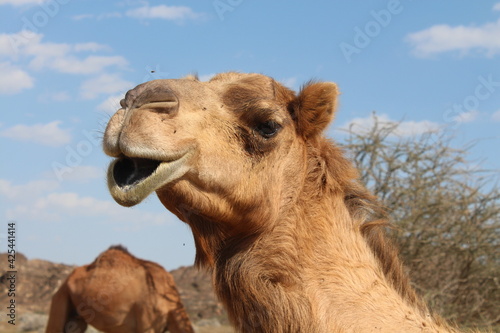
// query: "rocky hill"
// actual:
[[197, 294], [37, 280]]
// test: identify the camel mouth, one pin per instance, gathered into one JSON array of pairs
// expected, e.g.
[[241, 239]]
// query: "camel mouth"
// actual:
[[130, 171], [131, 180]]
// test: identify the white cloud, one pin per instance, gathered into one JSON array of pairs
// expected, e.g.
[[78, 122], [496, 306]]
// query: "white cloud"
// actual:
[[60, 57], [82, 174], [6, 45], [67, 206], [107, 84], [444, 38], [28, 43], [173, 13], [13, 80], [73, 202], [206, 77], [40, 200], [91, 46], [30, 189], [21, 2], [111, 104], [58, 96], [147, 12], [89, 65], [290, 82], [496, 6], [404, 128], [466, 117], [64, 58], [82, 17], [409, 128], [45, 134], [97, 17], [496, 116]]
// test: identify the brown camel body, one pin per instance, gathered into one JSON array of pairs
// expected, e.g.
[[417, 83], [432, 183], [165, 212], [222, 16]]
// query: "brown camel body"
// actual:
[[118, 293], [294, 240]]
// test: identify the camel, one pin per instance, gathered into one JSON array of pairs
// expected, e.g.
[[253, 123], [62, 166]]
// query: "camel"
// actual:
[[294, 240], [118, 293]]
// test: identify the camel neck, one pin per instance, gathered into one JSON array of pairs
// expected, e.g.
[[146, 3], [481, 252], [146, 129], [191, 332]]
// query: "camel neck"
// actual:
[[316, 269]]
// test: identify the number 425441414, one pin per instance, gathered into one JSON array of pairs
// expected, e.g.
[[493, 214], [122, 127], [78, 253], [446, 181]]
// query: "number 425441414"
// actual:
[[11, 238]]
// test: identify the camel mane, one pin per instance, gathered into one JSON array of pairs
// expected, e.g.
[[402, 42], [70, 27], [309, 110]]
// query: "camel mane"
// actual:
[[333, 171]]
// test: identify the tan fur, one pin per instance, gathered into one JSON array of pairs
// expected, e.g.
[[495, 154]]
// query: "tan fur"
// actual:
[[295, 241], [118, 293]]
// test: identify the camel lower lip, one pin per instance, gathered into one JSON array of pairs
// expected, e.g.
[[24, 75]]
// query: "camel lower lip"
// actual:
[[131, 180]]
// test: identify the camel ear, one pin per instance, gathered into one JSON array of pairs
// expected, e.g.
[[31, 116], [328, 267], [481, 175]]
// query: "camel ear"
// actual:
[[314, 107]]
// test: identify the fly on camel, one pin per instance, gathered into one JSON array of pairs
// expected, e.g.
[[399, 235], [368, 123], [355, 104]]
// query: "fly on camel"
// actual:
[[294, 240]]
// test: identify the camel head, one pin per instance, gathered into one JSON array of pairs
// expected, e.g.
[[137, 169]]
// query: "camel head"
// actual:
[[231, 150]]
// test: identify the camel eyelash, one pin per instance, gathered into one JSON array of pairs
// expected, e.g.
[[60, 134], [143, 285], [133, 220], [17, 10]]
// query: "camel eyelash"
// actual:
[[256, 116]]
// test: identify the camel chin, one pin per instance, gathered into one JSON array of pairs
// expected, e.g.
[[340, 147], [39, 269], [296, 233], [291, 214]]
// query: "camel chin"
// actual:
[[131, 180]]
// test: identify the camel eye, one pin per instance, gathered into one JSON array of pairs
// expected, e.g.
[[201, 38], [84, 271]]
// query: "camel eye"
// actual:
[[268, 129]]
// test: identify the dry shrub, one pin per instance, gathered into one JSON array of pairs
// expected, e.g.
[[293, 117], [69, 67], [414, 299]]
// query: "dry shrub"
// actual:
[[446, 212]]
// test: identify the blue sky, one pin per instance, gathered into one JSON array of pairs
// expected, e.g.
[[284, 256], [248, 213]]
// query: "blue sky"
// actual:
[[64, 65]]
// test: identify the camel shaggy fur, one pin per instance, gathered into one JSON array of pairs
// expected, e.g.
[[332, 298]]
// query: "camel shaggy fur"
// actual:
[[118, 293], [295, 241]]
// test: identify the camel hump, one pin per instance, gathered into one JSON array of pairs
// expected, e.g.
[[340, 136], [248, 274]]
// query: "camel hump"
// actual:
[[117, 257]]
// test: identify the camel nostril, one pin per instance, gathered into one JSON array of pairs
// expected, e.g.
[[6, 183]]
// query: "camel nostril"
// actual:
[[166, 107], [161, 101]]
